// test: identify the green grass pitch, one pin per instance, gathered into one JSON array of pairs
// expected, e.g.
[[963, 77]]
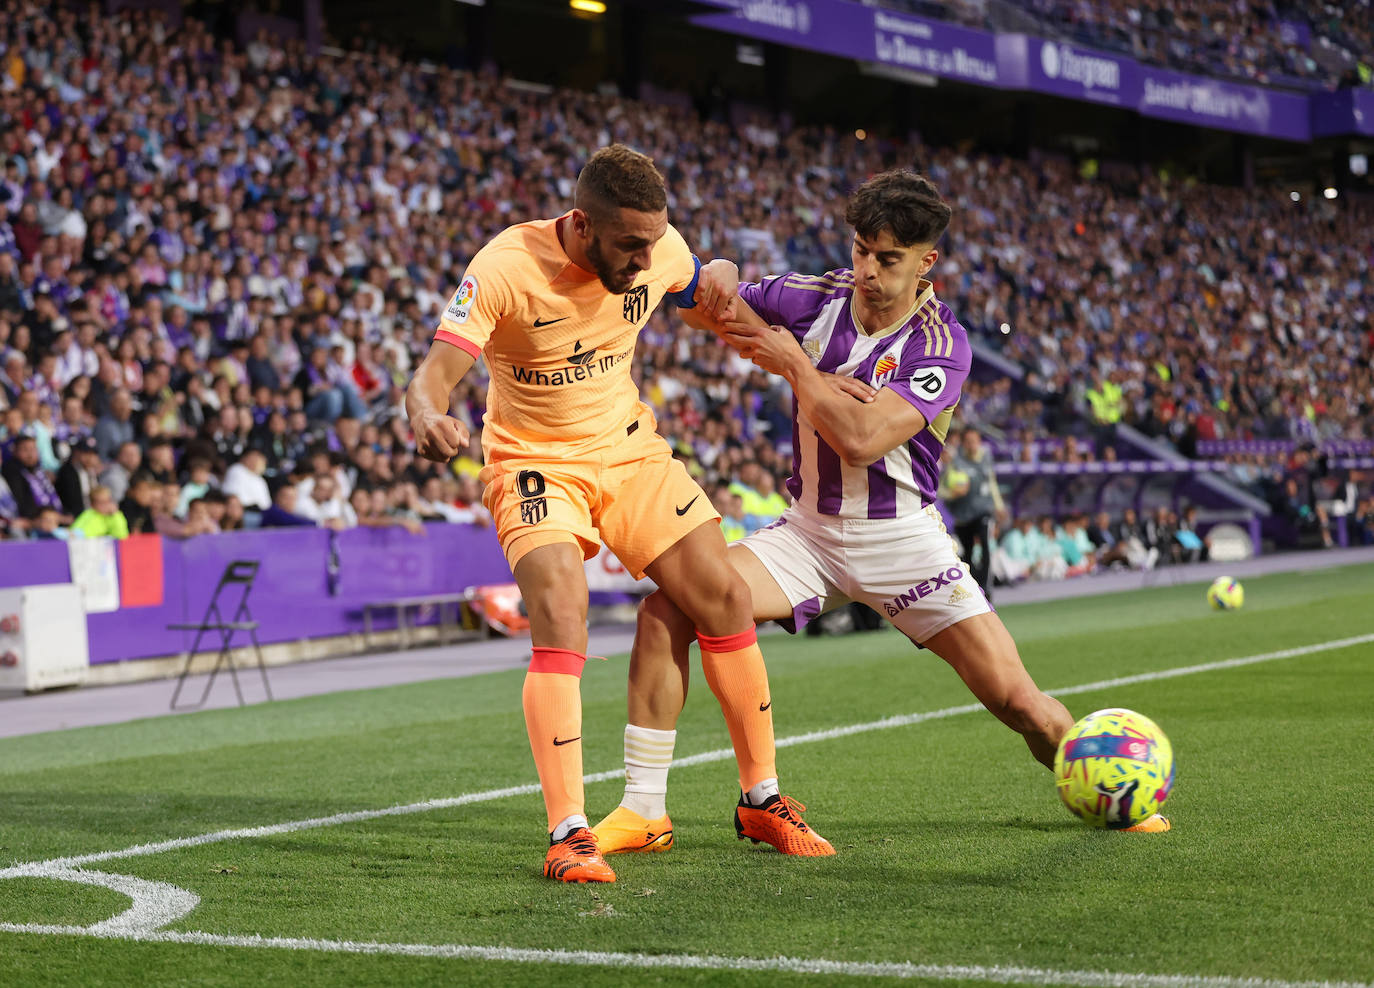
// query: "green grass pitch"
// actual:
[[955, 857]]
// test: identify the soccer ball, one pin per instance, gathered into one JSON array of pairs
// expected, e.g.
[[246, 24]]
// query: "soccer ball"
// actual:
[[1225, 594], [1114, 768]]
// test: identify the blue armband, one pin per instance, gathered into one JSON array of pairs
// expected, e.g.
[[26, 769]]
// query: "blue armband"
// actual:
[[684, 299]]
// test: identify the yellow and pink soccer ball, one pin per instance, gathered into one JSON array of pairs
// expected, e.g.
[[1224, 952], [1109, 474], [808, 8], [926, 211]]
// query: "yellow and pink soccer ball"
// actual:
[[1114, 768], [1226, 594]]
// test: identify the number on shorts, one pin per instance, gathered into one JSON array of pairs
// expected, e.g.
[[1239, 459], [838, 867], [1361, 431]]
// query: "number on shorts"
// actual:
[[530, 483]]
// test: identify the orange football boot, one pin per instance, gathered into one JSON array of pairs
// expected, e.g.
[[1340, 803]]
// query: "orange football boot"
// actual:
[[778, 822], [1154, 824], [624, 831], [576, 859]]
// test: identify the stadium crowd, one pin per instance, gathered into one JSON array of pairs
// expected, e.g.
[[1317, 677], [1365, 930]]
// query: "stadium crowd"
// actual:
[[1271, 42], [219, 266]]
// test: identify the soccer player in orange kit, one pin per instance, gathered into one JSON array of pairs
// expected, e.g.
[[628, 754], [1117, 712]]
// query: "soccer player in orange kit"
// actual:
[[573, 458]]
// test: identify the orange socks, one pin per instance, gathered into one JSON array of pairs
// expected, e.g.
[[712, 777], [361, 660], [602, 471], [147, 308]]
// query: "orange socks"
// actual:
[[553, 717], [736, 674]]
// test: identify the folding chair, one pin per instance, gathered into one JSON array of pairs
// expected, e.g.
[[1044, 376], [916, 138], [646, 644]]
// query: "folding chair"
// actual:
[[239, 573]]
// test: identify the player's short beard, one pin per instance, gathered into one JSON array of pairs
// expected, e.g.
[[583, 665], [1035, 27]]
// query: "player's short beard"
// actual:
[[617, 282]]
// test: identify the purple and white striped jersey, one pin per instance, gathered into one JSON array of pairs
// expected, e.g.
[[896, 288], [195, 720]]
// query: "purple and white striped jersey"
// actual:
[[924, 357]]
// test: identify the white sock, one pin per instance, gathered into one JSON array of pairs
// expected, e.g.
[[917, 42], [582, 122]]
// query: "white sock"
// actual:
[[758, 795], [648, 753], [567, 826]]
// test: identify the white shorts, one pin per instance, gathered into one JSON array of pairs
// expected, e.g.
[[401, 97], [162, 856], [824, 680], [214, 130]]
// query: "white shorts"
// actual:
[[906, 569]]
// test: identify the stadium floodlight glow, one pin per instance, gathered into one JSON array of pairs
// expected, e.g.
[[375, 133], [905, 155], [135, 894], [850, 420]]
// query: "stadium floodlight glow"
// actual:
[[588, 6], [1295, 196], [1330, 193]]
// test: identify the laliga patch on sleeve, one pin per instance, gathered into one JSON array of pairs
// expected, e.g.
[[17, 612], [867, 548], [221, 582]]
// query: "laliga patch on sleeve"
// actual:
[[928, 382], [463, 298]]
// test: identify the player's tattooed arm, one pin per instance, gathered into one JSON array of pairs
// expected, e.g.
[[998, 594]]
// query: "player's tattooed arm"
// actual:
[[438, 435], [860, 431]]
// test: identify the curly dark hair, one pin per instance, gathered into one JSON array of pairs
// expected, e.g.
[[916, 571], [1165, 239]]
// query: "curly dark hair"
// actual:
[[901, 201], [618, 177]]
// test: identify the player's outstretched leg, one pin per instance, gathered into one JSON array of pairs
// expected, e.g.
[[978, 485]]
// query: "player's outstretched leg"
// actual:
[[659, 674], [697, 577], [982, 652], [552, 699]]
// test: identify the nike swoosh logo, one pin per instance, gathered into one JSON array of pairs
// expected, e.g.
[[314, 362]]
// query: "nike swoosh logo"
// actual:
[[686, 507], [541, 323], [765, 706], [559, 744]]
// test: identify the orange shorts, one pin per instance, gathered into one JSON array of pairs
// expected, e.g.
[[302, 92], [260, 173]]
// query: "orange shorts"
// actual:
[[630, 493]]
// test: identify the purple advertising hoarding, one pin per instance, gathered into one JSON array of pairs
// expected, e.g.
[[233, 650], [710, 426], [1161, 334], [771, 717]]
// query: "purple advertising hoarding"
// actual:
[[1015, 61], [1211, 103], [1062, 69], [851, 30]]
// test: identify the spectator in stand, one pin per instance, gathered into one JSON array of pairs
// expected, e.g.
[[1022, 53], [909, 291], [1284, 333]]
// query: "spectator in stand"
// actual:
[[103, 518], [1070, 546], [79, 477], [1012, 554], [138, 507], [199, 520], [244, 480], [325, 505], [282, 513], [116, 476], [372, 515], [731, 508], [115, 428], [30, 485], [12, 524], [197, 485]]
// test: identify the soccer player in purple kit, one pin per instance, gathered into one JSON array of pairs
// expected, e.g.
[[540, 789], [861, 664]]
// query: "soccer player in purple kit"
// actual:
[[863, 525]]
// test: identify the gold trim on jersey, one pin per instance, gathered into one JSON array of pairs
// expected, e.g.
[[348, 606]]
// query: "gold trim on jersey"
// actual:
[[940, 427], [819, 282], [939, 337]]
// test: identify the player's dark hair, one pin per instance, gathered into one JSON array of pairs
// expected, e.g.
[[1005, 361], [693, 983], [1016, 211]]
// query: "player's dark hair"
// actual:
[[618, 177], [907, 204]]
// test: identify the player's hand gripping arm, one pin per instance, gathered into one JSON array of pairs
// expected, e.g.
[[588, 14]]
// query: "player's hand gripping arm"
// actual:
[[438, 435], [861, 431], [735, 311]]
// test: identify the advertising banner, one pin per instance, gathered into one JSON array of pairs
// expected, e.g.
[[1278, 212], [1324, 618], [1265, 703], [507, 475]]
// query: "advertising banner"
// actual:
[[1062, 69], [1017, 61], [851, 30], [1212, 103]]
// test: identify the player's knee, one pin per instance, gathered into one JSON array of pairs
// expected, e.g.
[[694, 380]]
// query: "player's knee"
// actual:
[[1026, 711], [560, 616]]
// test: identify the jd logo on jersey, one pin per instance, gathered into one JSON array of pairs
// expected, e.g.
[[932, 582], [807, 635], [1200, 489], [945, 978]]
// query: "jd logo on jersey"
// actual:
[[636, 303]]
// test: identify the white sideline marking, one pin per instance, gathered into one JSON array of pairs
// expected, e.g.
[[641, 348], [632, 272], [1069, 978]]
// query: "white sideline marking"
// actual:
[[710, 962], [720, 754], [155, 904]]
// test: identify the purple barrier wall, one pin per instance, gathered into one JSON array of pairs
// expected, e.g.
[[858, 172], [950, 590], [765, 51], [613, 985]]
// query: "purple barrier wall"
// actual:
[[293, 597], [27, 564]]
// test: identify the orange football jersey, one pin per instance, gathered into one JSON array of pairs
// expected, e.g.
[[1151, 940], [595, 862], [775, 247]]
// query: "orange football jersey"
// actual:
[[558, 346]]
